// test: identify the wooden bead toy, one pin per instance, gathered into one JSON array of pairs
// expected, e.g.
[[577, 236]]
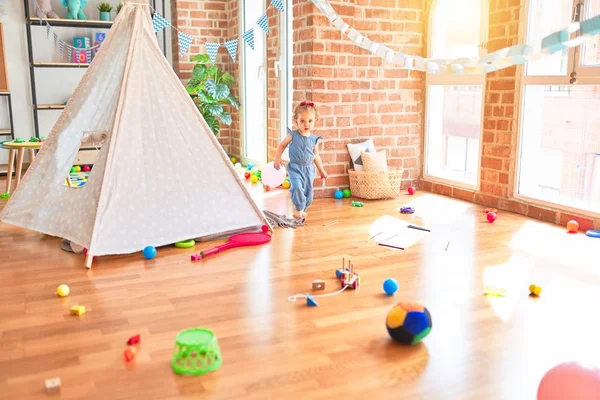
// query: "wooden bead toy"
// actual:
[[78, 310], [53, 385], [535, 290], [318, 285]]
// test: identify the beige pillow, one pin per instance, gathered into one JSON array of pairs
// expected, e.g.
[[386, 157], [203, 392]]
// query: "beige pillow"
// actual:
[[375, 162]]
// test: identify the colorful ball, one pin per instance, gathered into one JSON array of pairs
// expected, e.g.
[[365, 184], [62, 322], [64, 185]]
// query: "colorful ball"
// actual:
[[491, 217], [570, 380], [339, 194], [63, 290], [77, 168], [149, 252], [86, 168], [572, 226], [390, 286], [73, 170], [286, 184], [408, 323], [347, 193], [253, 178], [411, 190]]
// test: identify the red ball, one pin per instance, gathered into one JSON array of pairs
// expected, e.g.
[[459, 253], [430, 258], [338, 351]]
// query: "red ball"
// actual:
[[86, 168], [491, 216], [246, 175], [411, 190], [264, 228]]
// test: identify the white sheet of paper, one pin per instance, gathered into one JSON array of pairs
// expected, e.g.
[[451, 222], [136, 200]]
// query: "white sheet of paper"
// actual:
[[403, 239]]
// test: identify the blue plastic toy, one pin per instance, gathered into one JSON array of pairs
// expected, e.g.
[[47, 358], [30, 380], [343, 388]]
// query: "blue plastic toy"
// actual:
[[149, 252], [593, 233], [339, 194], [390, 286]]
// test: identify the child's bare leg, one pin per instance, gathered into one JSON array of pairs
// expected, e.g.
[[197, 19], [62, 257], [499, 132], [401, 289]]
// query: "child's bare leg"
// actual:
[[297, 214]]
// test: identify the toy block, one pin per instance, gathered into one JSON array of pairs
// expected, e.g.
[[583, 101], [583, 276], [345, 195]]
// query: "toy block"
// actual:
[[81, 42], [129, 354], [77, 310], [81, 57], [53, 385], [318, 285], [133, 340], [100, 37], [310, 301], [196, 257]]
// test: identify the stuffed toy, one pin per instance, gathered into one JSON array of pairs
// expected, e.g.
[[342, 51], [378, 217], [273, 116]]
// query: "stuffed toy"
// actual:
[[44, 9], [75, 8]]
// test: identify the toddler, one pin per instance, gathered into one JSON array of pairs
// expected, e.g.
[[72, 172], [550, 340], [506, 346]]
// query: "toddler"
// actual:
[[303, 153]]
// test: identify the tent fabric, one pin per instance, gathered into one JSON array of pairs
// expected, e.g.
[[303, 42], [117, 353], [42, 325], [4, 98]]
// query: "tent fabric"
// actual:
[[160, 176]]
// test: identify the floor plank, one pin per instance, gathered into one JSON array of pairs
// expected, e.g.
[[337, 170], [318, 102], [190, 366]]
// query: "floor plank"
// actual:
[[480, 347]]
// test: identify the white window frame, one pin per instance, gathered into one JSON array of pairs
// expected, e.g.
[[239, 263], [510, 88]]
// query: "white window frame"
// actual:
[[284, 69], [585, 76], [243, 49], [450, 79]]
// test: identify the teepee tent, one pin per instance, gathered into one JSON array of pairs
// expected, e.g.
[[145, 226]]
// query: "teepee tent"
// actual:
[[160, 175]]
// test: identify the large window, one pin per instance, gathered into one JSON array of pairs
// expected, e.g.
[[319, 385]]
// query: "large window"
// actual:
[[254, 85], [455, 102], [559, 148]]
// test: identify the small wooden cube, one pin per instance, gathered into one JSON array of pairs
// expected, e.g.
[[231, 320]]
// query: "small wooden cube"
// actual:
[[53, 385], [77, 310], [318, 285]]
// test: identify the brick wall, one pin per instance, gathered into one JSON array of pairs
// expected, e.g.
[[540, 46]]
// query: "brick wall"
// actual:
[[501, 131], [359, 96], [213, 21]]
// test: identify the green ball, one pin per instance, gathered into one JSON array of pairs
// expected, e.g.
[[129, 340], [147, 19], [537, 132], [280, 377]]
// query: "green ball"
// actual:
[[73, 169], [347, 193]]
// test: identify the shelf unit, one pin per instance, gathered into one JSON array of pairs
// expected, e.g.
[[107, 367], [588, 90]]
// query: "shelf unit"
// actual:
[[32, 22]]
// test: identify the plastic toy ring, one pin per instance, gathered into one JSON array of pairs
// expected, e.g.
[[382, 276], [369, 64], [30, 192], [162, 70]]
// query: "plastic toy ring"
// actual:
[[186, 244], [407, 210], [593, 233]]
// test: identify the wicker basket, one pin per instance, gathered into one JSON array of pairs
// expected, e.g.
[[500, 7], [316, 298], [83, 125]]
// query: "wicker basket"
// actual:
[[375, 185]]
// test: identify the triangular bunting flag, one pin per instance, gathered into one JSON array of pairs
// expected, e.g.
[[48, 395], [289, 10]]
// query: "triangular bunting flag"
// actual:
[[47, 30], [212, 49], [69, 53], [278, 4], [232, 48], [249, 37], [55, 39], [158, 22], [77, 56], [184, 42], [263, 23], [62, 48]]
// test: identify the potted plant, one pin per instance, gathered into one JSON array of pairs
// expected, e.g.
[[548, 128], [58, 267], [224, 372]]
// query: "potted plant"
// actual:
[[210, 89], [105, 10], [119, 6]]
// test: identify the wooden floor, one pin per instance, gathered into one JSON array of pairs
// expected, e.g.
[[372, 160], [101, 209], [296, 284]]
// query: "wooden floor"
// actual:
[[479, 348]]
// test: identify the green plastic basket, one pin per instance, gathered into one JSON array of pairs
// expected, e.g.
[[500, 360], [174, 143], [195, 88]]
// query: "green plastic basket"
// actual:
[[196, 352]]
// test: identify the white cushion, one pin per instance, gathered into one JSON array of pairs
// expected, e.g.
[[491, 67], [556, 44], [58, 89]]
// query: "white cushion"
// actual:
[[355, 148]]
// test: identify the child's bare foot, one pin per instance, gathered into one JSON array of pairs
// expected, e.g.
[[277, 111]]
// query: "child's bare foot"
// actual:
[[297, 214], [304, 214]]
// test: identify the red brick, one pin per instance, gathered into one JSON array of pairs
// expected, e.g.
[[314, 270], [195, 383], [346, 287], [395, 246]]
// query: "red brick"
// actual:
[[542, 214]]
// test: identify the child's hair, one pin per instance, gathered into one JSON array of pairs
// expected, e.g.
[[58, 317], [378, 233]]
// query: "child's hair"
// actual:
[[306, 105]]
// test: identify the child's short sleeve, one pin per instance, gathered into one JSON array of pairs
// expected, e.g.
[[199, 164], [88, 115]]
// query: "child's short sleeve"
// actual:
[[316, 140]]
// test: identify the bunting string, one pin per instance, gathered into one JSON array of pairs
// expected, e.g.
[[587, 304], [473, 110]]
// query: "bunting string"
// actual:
[[571, 36]]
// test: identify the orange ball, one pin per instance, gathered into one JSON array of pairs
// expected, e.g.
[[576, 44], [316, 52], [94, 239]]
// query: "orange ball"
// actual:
[[572, 226]]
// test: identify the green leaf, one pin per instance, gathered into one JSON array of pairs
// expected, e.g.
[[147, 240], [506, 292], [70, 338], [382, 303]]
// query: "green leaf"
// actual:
[[216, 127], [226, 118], [221, 92], [204, 98], [212, 72], [234, 102], [211, 87], [214, 109], [199, 71], [201, 58], [227, 79]]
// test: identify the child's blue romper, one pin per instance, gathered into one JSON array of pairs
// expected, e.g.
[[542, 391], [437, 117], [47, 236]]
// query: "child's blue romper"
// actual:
[[301, 169]]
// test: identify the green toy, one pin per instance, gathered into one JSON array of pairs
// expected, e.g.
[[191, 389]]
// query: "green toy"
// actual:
[[196, 352], [347, 193], [19, 140], [5, 196], [358, 204], [75, 8]]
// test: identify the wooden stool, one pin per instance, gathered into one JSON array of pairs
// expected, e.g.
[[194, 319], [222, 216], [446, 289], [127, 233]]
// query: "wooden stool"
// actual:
[[18, 150]]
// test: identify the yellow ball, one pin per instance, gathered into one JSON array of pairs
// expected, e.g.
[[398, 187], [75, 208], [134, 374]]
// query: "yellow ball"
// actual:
[[254, 178], [78, 169], [63, 290], [233, 160], [286, 184]]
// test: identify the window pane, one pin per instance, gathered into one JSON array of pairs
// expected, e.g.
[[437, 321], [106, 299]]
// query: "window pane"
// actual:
[[546, 17], [590, 56], [453, 131], [560, 147], [254, 87], [456, 29]]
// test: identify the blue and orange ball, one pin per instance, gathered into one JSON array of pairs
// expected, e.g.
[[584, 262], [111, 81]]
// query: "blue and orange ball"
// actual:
[[408, 323]]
